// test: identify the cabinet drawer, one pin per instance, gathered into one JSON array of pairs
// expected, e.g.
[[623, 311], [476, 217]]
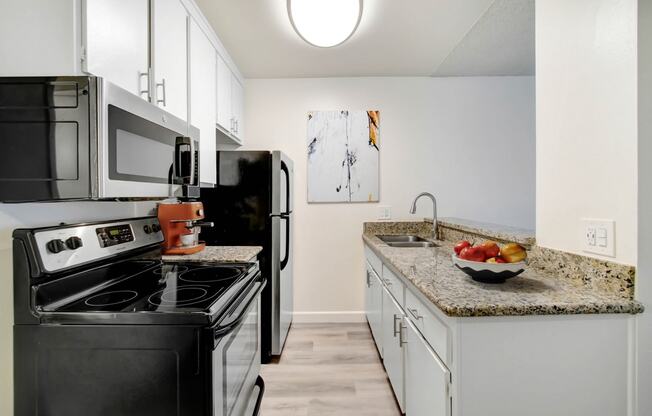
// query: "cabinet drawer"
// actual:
[[394, 285], [375, 262], [433, 330]]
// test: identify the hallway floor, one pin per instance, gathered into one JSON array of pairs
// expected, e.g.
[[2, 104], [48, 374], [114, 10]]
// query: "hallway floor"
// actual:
[[328, 369]]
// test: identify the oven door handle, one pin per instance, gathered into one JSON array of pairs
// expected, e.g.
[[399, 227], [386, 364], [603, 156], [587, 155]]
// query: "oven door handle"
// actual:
[[261, 392], [239, 314]]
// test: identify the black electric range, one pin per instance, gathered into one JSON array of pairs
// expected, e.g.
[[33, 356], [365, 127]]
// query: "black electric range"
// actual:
[[103, 326]]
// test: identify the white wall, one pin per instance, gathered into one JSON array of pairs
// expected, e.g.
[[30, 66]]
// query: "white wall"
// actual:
[[586, 120], [36, 215], [644, 282], [469, 141]]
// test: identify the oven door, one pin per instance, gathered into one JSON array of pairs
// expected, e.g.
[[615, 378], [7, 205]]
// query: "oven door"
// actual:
[[144, 152], [236, 356]]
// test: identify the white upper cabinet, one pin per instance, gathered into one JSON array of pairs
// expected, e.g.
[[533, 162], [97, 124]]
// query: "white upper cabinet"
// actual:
[[237, 107], [170, 56], [230, 102], [224, 111], [117, 42], [203, 100]]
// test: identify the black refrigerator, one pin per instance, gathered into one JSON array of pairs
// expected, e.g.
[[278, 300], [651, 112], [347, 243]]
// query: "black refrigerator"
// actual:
[[251, 204]]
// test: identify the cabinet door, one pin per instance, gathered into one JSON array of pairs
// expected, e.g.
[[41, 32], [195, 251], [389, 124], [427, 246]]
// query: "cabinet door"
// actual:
[[203, 79], [224, 111], [369, 300], [393, 356], [374, 292], [170, 27], [378, 311], [116, 37], [426, 377], [237, 106]]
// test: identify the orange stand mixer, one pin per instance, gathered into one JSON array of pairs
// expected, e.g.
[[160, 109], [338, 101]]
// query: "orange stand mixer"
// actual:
[[181, 223]]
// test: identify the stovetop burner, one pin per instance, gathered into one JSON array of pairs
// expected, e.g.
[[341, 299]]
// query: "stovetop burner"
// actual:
[[183, 296], [111, 298], [209, 275]]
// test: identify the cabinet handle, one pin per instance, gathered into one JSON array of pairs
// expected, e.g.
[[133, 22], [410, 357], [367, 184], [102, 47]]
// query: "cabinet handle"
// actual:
[[164, 100], [368, 279], [236, 125], [145, 91], [415, 313], [396, 318], [401, 337]]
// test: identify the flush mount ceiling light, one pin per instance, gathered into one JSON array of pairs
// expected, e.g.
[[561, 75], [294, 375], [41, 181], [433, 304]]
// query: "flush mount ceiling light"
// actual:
[[325, 23]]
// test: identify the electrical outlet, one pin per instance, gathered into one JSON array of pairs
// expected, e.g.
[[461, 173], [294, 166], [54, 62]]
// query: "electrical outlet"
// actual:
[[384, 213], [598, 237]]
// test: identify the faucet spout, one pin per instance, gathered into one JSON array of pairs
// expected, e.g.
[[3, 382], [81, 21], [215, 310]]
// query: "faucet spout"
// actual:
[[413, 210]]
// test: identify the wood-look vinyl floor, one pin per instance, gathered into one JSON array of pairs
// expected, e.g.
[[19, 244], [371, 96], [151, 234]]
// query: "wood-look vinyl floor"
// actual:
[[328, 369]]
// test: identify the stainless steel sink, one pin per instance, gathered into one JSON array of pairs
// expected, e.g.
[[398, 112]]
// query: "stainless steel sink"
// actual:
[[406, 241], [408, 244]]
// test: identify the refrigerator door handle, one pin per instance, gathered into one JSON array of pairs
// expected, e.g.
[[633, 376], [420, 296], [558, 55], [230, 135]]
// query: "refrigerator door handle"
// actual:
[[286, 259]]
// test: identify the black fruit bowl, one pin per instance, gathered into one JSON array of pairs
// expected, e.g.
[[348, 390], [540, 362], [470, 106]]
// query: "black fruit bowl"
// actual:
[[489, 272]]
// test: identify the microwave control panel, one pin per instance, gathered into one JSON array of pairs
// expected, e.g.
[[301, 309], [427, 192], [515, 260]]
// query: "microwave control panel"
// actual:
[[112, 236]]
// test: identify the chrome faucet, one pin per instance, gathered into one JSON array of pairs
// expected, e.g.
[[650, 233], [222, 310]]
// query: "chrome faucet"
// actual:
[[413, 210]]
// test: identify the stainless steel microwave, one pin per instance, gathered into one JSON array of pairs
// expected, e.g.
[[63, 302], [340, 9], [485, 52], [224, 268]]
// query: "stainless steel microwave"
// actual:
[[85, 138]]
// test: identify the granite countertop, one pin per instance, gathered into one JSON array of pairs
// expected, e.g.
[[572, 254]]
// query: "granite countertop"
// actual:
[[534, 292], [220, 254]]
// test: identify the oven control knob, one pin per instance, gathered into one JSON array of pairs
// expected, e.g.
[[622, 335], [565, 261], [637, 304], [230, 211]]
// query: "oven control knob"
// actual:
[[74, 243], [147, 229], [55, 246], [156, 228]]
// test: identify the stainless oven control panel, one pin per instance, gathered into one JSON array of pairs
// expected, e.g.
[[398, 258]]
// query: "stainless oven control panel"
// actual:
[[67, 246]]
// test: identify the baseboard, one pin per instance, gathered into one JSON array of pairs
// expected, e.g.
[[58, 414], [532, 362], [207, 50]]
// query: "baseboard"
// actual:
[[329, 317]]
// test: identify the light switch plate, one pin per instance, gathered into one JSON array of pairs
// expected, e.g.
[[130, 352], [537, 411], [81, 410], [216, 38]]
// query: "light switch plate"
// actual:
[[384, 212], [598, 236]]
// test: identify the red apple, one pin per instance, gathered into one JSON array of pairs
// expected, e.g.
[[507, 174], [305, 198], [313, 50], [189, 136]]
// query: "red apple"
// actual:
[[461, 246], [473, 254], [491, 249]]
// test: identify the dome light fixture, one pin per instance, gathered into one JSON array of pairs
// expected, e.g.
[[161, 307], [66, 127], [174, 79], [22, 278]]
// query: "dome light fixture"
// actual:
[[325, 23]]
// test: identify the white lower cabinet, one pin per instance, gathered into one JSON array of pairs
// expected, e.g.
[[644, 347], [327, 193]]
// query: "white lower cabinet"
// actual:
[[374, 302], [393, 355], [534, 365], [427, 380]]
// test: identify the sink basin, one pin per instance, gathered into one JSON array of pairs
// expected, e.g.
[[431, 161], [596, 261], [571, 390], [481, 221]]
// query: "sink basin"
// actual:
[[408, 244], [406, 241], [400, 238]]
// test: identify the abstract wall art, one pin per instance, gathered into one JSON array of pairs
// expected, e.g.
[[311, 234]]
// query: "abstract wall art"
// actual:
[[343, 154]]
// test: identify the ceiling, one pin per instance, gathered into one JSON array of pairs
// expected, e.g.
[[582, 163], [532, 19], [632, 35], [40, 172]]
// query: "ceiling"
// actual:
[[395, 38]]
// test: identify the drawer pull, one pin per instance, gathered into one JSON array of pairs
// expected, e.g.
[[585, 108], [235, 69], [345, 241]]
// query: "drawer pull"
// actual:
[[401, 337], [397, 318], [415, 313]]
